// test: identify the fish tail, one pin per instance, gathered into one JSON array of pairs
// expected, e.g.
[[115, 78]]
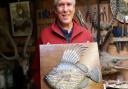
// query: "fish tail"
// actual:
[[95, 75]]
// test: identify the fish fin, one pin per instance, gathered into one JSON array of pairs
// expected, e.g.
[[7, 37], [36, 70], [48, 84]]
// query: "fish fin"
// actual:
[[83, 84], [82, 67], [72, 53], [95, 75]]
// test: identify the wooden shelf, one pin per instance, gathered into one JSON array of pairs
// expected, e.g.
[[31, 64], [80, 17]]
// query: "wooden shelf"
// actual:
[[119, 39]]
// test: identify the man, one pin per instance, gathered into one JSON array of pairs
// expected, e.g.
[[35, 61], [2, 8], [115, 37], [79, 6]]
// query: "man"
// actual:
[[64, 30]]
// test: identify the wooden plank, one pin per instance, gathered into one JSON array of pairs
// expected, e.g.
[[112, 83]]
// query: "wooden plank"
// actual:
[[50, 56]]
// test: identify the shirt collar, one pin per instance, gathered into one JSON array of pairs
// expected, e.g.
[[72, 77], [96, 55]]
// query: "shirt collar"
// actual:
[[76, 29]]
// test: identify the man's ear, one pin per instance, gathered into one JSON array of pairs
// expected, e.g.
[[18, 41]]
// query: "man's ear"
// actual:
[[54, 8], [55, 12]]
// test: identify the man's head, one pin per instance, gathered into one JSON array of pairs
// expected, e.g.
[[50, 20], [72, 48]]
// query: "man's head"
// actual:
[[65, 9], [56, 1]]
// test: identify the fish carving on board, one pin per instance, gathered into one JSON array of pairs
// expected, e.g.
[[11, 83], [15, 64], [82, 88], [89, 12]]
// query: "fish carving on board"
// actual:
[[70, 73]]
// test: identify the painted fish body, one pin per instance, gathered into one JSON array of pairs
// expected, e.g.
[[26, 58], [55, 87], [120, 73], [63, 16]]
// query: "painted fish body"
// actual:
[[70, 74]]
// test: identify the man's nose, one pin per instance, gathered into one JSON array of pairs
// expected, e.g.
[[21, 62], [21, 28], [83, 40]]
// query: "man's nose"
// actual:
[[65, 7]]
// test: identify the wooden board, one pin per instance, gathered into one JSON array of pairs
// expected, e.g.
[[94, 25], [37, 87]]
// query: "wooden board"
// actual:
[[50, 56]]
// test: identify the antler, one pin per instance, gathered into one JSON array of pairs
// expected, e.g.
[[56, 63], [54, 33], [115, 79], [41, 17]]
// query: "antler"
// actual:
[[16, 55]]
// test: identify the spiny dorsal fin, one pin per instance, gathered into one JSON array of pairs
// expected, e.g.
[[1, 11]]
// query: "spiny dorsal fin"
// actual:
[[72, 53]]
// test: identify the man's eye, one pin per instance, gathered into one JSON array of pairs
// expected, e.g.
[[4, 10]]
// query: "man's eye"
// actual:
[[69, 4], [60, 4]]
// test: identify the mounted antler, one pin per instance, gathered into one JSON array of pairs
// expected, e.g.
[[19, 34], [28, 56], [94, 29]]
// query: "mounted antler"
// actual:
[[16, 55]]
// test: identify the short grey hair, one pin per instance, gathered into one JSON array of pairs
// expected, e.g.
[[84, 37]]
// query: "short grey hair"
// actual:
[[56, 1]]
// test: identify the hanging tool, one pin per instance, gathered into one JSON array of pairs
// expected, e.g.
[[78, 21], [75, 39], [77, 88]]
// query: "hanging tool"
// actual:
[[88, 13], [117, 32], [80, 18], [124, 43], [125, 30], [91, 18], [125, 33], [103, 15]]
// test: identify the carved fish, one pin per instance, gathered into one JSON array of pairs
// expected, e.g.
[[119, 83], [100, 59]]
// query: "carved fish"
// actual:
[[70, 74], [111, 60]]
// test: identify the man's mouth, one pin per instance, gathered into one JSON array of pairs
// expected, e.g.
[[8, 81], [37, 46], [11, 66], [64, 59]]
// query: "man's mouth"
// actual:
[[65, 16]]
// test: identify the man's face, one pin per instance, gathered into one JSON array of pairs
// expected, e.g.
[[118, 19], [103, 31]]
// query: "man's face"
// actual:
[[65, 10]]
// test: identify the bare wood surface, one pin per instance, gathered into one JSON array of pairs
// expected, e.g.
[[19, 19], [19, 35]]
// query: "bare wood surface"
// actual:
[[50, 56]]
